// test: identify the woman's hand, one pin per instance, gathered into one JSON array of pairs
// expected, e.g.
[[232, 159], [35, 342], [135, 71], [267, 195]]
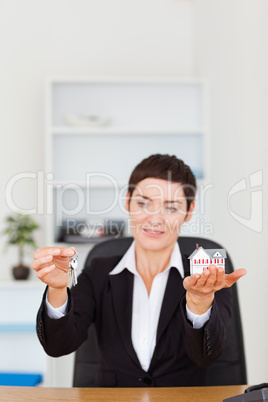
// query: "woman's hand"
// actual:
[[200, 289], [52, 264]]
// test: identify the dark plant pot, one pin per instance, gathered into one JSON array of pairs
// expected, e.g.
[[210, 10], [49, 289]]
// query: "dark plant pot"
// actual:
[[21, 272]]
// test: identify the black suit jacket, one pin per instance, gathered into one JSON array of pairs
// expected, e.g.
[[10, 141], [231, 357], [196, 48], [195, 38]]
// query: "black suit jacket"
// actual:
[[181, 352]]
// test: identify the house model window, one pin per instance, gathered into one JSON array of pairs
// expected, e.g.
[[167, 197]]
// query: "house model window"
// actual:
[[202, 258]]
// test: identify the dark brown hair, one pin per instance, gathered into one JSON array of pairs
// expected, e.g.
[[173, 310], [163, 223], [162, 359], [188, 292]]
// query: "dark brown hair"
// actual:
[[165, 167]]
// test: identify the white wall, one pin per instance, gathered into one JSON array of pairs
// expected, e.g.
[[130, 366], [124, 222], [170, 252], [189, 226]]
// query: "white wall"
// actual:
[[39, 39], [225, 40], [232, 51]]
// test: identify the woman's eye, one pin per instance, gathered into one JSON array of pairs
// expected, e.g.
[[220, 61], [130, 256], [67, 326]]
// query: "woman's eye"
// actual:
[[142, 204], [172, 209]]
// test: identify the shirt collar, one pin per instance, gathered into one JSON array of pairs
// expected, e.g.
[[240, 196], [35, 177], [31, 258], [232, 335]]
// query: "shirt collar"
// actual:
[[128, 261]]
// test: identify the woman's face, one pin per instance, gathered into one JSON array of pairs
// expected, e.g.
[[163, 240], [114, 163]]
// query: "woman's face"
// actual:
[[157, 211]]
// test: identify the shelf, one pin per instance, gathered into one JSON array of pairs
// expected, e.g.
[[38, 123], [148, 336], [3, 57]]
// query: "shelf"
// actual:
[[126, 131], [98, 185], [113, 159], [77, 240], [17, 327], [62, 184], [20, 284], [136, 104], [71, 80], [148, 115]]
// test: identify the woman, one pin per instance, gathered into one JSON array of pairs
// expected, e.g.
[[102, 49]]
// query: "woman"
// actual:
[[155, 324]]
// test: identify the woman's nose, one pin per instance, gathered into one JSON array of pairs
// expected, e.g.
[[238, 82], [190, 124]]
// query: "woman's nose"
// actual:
[[156, 213]]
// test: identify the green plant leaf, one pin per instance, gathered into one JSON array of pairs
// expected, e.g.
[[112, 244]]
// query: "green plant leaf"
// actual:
[[19, 231]]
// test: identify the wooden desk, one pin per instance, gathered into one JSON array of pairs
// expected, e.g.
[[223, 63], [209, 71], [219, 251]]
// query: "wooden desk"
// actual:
[[191, 394]]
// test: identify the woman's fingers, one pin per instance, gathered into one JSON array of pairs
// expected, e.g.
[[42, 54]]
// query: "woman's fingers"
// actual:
[[47, 254], [40, 261], [203, 279], [52, 264], [54, 251], [67, 252], [190, 281], [234, 276], [212, 276], [44, 271], [212, 280], [220, 278], [42, 252]]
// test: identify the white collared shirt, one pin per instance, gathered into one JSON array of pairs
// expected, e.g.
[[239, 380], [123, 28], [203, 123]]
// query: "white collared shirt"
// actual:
[[145, 308]]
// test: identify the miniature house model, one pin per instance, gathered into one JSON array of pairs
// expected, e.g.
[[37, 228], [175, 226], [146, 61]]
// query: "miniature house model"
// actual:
[[202, 258]]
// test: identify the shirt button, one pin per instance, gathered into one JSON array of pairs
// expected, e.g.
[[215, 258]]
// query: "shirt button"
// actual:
[[144, 340]]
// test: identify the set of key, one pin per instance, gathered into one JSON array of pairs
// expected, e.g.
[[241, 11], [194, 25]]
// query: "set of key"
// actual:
[[73, 268]]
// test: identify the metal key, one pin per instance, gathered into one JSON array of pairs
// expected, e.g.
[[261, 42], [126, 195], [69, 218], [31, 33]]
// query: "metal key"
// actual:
[[73, 267]]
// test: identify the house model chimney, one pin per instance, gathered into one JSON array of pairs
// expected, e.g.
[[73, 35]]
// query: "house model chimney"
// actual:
[[197, 246]]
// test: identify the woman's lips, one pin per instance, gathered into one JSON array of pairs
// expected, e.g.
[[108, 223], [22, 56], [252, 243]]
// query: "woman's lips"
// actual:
[[153, 233]]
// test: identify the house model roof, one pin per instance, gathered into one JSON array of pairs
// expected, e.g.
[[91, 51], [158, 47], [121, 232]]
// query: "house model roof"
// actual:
[[211, 252]]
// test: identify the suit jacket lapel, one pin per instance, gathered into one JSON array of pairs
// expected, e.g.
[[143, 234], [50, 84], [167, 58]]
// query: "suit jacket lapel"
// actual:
[[172, 297], [186, 265], [122, 294]]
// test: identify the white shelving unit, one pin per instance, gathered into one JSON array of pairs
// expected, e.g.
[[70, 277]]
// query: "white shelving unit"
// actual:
[[147, 115]]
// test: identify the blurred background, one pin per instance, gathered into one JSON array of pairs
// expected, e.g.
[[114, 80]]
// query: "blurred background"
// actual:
[[218, 51]]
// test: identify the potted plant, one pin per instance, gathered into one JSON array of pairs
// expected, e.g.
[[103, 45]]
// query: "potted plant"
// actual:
[[19, 231]]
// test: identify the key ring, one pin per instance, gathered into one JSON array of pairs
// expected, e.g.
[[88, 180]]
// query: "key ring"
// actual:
[[73, 258], [72, 269]]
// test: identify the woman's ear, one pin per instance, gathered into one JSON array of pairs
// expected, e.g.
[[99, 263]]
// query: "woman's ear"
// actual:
[[190, 212], [127, 204]]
